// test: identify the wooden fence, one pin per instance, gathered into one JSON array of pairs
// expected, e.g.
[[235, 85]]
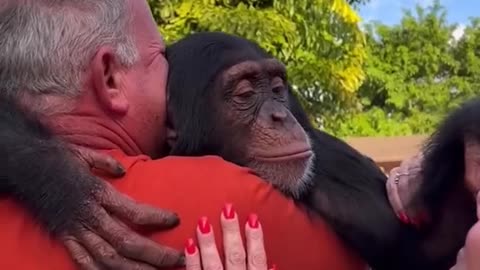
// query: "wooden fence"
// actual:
[[388, 152]]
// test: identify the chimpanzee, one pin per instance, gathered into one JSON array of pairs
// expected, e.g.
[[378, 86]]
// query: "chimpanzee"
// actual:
[[445, 193], [228, 97]]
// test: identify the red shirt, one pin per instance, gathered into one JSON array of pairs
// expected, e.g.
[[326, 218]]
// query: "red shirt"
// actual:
[[192, 187]]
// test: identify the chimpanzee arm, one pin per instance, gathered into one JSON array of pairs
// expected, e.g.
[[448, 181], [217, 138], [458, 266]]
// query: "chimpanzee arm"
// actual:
[[349, 191], [48, 180]]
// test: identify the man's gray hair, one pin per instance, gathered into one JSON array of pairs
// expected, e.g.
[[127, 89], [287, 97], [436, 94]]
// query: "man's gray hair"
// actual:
[[46, 44]]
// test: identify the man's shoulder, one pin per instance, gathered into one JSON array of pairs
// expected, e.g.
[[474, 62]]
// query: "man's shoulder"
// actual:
[[176, 171]]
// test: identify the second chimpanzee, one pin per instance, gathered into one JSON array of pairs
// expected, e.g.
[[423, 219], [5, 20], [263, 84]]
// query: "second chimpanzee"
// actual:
[[448, 189]]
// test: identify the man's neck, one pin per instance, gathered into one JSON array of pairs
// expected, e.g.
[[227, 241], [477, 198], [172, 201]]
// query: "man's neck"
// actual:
[[93, 132]]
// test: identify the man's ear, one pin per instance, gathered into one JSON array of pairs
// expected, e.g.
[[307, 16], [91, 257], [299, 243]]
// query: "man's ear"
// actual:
[[108, 81]]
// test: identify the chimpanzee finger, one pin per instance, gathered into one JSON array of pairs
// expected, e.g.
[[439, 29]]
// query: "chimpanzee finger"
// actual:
[[133, 246], [137, 213], [79, 255], [104, 254], [99, 161]]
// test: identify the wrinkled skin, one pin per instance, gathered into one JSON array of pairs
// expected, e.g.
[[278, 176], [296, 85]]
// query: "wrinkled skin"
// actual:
[[277, 147]]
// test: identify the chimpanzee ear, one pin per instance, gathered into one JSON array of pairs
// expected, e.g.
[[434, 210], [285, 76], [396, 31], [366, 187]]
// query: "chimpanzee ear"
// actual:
[[472, 165]]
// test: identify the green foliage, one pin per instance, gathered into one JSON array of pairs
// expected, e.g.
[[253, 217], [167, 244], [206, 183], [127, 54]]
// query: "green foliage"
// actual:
[[386, 80], [416, 73], [319, 41]]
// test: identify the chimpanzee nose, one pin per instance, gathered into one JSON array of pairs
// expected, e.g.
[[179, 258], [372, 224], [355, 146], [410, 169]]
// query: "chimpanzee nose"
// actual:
[[279, 116]]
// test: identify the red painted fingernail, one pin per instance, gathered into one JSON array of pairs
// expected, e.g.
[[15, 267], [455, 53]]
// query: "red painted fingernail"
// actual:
[[404, 218], [228, 212], [204, 225], [190, 246], [416, 222], [253, 221], [274, 267]]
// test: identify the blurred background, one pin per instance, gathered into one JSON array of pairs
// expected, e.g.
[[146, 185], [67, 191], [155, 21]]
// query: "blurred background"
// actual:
[[361, 67]]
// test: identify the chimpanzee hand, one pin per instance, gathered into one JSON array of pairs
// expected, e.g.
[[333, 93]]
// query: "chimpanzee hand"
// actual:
[[98, 160], [98, 239]]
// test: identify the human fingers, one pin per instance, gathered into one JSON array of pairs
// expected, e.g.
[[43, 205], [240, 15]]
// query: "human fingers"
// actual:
[[393, 194], [256, 255], [208, 248], [472, 248], [235, 257], [192, 256], [129, 244], [99, 160], [478, 205], [137, 213], [472, 165]]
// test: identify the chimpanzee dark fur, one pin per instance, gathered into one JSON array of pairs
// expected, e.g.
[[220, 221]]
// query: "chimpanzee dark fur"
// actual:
[[443, 191], [38, 171]]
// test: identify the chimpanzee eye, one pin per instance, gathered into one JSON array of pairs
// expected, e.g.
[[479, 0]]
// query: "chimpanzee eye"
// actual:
[[246, 94], [278, 90]]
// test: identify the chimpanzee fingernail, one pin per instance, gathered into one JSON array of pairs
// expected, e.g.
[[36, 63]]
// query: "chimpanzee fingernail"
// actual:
[[253, 221], [190, 246], [228, 211], [204, 225], [120, 170]]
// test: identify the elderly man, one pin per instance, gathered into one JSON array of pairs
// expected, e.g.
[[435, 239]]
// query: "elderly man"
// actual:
[[96, 73]]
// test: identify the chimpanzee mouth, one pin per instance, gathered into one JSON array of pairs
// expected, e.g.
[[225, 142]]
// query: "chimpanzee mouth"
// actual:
[[304, 153]]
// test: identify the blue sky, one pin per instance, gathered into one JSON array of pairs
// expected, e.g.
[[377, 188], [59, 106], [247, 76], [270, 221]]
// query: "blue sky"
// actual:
[[390, 11]]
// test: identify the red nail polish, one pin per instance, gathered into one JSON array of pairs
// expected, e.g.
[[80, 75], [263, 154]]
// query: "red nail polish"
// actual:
[[228, 211], [274, 267], [204, 225], [253, 221], [404, 218], [190, 246]]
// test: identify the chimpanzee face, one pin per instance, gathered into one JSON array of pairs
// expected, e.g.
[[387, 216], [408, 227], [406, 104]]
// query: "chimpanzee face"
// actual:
[[254, 103]]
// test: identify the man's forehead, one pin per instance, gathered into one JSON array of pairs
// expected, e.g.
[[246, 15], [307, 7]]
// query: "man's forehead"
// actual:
[[143, 24]]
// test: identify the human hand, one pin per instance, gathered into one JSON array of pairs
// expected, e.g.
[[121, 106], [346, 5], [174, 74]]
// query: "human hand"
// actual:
[[207, 256], [402, 185], [98, 239], [472, 165], [468, 257]]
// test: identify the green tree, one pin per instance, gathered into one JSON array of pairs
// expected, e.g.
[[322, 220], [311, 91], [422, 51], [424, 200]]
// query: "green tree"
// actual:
[[319, 40], [415, 73]]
